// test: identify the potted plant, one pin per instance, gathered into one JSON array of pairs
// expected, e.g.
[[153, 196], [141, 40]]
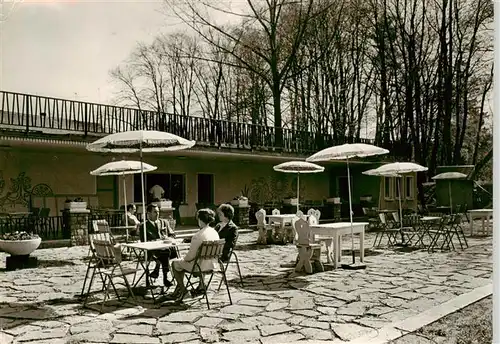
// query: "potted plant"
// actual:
[[292, 200], [162, 203], [77, 204], [19, 243], [240, 201]]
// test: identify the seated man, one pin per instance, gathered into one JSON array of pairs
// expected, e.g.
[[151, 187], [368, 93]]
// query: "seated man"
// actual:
[[157, 229], [180, 266], [228, 231]]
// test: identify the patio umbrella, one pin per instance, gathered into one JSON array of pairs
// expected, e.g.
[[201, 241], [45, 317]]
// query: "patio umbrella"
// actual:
[[346, 152], [396, 169], [122, 168], [298, 167], [376, 173], [450, 176], [142, 141]]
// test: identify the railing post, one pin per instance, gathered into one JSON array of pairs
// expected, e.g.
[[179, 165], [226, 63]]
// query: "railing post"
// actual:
[[86, 121]]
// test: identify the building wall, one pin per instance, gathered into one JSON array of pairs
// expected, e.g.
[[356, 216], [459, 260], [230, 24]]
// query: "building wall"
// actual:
[[66, 172]]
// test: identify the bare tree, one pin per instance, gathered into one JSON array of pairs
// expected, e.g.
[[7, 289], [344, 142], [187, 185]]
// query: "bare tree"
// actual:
[[276, 49]]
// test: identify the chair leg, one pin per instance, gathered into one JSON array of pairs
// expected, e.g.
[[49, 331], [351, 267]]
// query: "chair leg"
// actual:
[[86, 277], [106, 293]]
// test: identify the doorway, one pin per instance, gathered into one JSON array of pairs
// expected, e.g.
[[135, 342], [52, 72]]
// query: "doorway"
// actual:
[[205, 188]]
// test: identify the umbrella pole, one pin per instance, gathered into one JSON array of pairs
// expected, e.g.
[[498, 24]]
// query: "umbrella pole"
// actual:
[[400, 179], [352, 266], [449, 192], [143, 198], [350, 209], [298, 191], [125, 199]]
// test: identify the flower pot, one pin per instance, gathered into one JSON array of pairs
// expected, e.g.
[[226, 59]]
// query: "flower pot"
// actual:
[[163, 204], [75, 205], [291, 201], [335, 200], [239, 202], [20, 247]]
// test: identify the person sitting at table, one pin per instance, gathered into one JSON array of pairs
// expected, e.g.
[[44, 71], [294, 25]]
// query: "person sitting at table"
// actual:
[[158, 229], [228, 231], [131, 218], [205, 218]]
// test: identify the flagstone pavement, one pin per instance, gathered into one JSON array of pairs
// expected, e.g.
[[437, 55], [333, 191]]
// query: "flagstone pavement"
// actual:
[[276, 305]]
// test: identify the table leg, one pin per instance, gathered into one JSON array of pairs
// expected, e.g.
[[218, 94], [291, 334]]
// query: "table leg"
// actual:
[[471, 224], [482, 225]]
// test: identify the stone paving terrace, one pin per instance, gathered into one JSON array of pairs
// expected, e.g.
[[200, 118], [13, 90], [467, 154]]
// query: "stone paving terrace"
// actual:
[[276, 305]]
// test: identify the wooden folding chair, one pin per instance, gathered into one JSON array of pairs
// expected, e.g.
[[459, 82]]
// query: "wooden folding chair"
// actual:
[[209, 250], [93, 260], [109, 267], [231, 255], [387, 229], [308, 251]]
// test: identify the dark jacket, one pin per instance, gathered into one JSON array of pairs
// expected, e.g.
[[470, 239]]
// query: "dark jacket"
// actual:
[[153, 233], [229, 233]]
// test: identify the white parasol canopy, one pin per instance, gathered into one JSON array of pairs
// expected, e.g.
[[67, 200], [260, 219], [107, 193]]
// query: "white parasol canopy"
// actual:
[[122, 168], [140, 141], [395, 169], [450, 176], [400, 168], [346, 152], [298, 167]]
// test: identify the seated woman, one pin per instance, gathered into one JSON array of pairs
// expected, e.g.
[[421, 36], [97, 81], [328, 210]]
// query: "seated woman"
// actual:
[[131, 218], [228, 231], [179, 266]]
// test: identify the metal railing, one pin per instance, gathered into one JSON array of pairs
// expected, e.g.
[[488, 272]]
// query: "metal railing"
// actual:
[[44, 115]]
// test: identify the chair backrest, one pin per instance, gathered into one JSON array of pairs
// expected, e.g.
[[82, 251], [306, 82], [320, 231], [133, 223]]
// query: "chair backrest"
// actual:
[[310, 212], [303, 232], [382, 218], [395, 216], [300, 215], [317, 213], [105, 251], [276, 212], [100, 226], [210, 250], [312, 220], [411, 220], [260, 215]]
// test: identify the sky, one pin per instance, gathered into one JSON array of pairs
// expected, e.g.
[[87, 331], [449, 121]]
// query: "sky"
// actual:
[[66, 49]]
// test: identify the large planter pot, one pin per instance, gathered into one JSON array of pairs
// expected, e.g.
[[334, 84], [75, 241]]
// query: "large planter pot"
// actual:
[[163, 204], [239, 203], [20, 247], [291, 201]]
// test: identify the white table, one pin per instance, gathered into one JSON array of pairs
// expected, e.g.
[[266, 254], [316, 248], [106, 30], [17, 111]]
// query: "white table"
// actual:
[[336, 230], [484, 215], [145, 248], [283, 219]]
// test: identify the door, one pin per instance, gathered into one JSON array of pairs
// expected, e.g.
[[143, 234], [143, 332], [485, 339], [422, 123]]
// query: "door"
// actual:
[[206, 188], [107, 191]]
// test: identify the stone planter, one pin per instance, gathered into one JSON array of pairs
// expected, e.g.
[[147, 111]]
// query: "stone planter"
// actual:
[[239, 202], [20, 247], [291, 201], [75, 205], [163, 204], [334, 200]]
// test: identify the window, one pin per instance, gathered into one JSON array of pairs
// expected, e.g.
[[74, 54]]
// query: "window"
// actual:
[[409, 187], [397, 187], [388, 187], [170, 186], [206, 188], [106, 191]]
